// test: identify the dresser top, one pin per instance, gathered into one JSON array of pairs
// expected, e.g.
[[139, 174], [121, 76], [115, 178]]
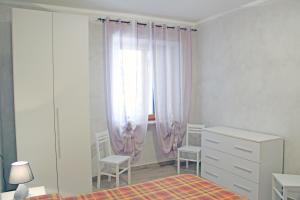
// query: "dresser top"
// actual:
[[34, 191], [242, 134]]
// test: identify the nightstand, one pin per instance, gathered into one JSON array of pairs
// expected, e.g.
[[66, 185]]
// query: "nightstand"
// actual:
[[285, 187], [34, 191]]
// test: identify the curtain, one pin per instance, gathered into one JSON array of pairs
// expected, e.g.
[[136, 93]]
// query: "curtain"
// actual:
[[127, 48], [172, 62], [7, 119]]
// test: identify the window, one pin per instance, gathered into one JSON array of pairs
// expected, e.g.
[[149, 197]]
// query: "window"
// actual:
[[133, 56], [151, 102], [132, 61]]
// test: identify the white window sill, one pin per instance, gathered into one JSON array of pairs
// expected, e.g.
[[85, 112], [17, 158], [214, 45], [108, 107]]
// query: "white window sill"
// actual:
[[151, 122]]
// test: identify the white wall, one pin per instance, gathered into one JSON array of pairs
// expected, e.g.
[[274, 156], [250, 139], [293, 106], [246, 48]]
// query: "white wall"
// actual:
[[249, 69], [97, 89]]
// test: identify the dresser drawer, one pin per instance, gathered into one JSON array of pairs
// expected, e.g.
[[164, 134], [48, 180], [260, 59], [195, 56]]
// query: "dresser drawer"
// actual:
[[214, 141], [230, 181], [244, 168], [214, 174], [242, 148], [243, 187]]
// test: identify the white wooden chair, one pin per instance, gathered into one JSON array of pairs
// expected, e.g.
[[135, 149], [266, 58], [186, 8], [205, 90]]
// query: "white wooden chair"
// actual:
[[284, 186], [113, 162], [190, 149]]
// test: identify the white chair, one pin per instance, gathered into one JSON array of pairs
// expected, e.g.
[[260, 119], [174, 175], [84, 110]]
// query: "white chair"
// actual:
[[189, 149], [284, 186], [114, 162]]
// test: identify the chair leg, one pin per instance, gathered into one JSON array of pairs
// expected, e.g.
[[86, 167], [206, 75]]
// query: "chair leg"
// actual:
[[178, 162], [273, 186], [99, 178], [197, 170], [117, 176], [187, 164], [284, 191], [109, 178], [129, 172]]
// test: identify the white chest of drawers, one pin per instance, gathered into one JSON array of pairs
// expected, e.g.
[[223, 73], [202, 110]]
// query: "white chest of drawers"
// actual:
[[242, 161]]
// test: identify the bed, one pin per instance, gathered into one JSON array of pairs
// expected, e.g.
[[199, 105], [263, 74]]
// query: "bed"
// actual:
[[185, 186]]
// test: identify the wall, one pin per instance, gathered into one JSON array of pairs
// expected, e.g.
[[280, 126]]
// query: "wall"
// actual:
[[248, 75]]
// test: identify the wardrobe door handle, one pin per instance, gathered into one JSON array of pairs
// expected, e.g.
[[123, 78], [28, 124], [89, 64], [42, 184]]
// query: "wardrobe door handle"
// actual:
[[58, 133], [242, 188]]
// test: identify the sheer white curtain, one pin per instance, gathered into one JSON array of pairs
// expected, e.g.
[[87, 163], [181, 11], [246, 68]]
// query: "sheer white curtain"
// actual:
[[172, 58], [127, 48]]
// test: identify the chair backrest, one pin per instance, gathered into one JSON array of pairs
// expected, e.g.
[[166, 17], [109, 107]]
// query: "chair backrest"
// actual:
[[193, 129], [103, 143]]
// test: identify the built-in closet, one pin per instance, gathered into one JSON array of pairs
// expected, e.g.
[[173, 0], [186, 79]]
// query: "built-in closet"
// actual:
[[51, 96]]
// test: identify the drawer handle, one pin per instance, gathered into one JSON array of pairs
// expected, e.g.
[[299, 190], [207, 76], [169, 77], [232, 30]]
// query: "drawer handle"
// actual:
[[242, 188], [212, 158], [212, 141], [212, 174], [243, 169], [243, 149]]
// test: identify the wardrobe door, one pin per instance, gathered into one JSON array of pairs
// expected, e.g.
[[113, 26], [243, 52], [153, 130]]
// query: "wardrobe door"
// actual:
[[33, 94], [72, 102]]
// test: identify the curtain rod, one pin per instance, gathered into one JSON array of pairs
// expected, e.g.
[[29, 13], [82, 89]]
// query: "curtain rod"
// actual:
[[143, 24]]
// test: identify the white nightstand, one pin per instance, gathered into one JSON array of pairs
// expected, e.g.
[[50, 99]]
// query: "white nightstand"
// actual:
[[285, 186], [34, 191]]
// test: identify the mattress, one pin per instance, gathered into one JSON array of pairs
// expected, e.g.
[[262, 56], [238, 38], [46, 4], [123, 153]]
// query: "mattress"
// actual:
[[185, 186]]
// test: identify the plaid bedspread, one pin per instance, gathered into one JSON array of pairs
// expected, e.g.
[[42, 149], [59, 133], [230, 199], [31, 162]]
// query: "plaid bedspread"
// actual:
[[45, 197], [185, 186]]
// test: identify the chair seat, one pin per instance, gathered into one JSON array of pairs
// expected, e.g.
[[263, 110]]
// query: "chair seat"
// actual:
[[191, 149], [115, 159]]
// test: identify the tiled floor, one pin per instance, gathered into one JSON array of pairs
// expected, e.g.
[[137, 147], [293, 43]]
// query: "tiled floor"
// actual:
[[146, 173]]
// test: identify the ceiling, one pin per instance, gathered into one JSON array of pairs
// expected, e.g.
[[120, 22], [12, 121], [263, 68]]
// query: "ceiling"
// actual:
[[187, 10]]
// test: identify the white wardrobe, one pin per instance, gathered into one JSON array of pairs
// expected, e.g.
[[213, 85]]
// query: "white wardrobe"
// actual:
[[51, 94]]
